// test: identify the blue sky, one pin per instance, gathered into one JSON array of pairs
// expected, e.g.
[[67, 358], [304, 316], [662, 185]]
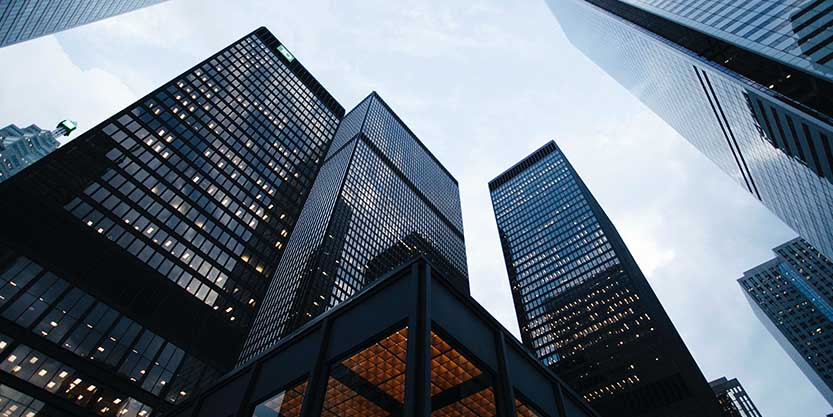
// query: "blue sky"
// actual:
[[482, 85]]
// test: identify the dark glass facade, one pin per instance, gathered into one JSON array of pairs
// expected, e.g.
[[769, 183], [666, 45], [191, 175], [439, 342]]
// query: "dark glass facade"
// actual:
[[380, 199], [583, 305], [133, 259], [732, 79], [21, 20], [733, 399], [410, 344], [792, 295]]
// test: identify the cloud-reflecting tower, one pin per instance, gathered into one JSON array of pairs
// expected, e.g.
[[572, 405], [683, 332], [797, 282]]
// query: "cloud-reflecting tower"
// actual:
[[21, 20], [749, 84]]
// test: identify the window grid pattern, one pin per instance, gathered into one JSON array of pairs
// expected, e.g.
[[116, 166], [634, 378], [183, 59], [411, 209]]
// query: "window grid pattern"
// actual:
[[799, 33], [375, 217], [67, 316], [451, 370], [371, 188], [23, 20], [787, 184], [14, 403], [302, 248], [209, 175], [350, 126], [55, 377], [766, 144], [555, 243], [579, 306], [807, 142], [370, 382], [815, 268], [396, 142], [370, 373], [792, 296]]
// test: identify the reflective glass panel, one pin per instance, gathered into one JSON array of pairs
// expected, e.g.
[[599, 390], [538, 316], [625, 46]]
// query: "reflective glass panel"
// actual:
[[287, 403]]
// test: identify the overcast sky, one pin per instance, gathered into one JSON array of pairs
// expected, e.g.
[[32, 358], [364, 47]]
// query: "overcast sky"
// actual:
[[482, 86]]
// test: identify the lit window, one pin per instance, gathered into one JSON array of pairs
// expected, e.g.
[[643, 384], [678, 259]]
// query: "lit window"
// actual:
[[382, 365], [287, 403]]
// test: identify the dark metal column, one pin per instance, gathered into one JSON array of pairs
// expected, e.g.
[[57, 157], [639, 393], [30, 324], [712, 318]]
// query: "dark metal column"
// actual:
[[418, 374], [317, 387], [559, 399], [505, 396], [246, 408]]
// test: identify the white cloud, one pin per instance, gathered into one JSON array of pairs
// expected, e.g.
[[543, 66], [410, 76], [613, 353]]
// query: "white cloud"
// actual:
[[144, 26], [641, 236], [42, 85]]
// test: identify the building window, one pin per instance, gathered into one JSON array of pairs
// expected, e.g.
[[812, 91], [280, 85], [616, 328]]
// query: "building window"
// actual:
[[287, 403], [17, 404], [369, 383], [458, 386]]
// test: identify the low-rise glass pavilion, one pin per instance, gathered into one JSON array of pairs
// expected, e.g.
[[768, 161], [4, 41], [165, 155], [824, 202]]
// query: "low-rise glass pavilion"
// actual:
[[410, 344]]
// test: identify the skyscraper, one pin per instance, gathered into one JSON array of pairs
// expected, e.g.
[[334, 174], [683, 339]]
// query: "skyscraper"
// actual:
[[20, 148], [583, 306], [733, 399], [792, 295], [749, 84], [133, 258], [381, 198], [21, 20]]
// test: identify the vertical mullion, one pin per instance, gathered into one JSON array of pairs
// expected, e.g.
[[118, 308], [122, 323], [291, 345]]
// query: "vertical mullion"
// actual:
[[317, 386], [418, 371], [559, 399], [246, 409], [505, 396]]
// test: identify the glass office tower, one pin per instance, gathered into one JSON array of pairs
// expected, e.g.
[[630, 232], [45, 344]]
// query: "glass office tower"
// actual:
[[583, 306], [20, 148], [794, 33], [21, 20], [380, 199], [792, 295], [749, 84], [133, 258], [733, 399]]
